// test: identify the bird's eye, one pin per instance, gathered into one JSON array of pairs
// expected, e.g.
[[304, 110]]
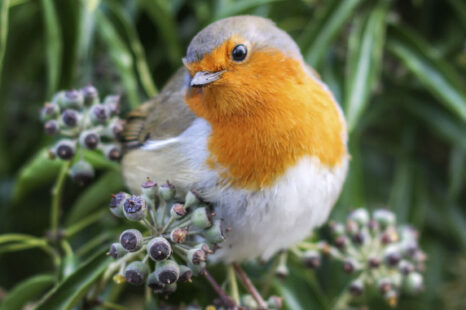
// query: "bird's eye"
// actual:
[[239, 52]]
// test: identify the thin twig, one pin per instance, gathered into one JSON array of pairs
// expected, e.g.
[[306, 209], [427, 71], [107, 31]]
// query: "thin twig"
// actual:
[[233, 284], [250, 287], [229, 303], [56, 197]]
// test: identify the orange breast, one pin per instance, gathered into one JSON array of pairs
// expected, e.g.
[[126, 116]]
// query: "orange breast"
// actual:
[[261, 127]]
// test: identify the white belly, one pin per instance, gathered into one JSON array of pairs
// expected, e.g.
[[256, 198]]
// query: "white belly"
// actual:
[[264, 222]]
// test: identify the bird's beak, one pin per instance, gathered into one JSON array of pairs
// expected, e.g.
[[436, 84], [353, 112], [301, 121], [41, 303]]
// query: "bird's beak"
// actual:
[[203, 78]]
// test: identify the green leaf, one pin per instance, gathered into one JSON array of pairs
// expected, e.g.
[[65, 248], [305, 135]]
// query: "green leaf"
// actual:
[[435, 120], [95, 196], [230, 8], [364, 62], [39, 170], [3, 31], [301, 291], [161, 14], [120, 56], [436, 75], [26, 291], [69, 292], [99, 161], [322, 30], [53, 44], [136, 46]]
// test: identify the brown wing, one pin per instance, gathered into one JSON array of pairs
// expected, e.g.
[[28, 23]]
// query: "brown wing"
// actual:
[[165, 116]]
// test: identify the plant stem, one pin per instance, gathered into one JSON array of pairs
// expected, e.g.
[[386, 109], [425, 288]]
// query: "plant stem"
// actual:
[[250, 287], [80, 225], [234, 292], [56, 197], [109, 305]]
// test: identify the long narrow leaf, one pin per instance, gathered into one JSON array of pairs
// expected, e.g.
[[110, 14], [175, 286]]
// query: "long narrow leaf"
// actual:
[[160, 13], [120, 56], [54, 45], [365, 54], [26, 291], [317, 37], [436, 121], [3, 31], [69, 292], [230, 8], [95, 196], [437, 76], [39, 170], [136, 46]]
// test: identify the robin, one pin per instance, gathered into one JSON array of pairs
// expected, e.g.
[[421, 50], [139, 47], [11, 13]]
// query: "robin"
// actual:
[[252, 129]]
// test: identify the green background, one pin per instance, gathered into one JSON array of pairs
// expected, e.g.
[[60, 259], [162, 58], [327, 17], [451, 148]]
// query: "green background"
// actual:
[[396, 67]]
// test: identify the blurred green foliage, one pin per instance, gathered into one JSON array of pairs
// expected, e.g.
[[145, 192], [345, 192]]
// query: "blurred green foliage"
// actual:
[[397, 67]]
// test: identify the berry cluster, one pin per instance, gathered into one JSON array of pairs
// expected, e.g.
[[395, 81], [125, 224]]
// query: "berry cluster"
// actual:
[[81, 120], [381, 254], [177, 240]]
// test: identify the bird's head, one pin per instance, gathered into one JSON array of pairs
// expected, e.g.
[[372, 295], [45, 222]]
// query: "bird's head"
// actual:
[[237, 62]]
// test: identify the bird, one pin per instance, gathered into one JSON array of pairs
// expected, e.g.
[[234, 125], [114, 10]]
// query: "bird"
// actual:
[[252, 129]]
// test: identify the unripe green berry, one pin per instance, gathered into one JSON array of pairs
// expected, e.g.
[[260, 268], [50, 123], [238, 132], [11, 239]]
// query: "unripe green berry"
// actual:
[[154, 283], [201, 218], [159, 249], [169, 289], [349, 265], [49, 111], [167, 271], [89, 139], [70, 118], [356, 288], [178, 210], [178, 235], [311, 259], [51, 128], [82, 172], [384, 285], [413, 283], [131, 240], [214, 234], [117, 250], [384, 217], [249, 302], [191, 199], [374, 262], [391, 297], [359, 238], [135, 208], [196, 256], [360, 216], [149, 189], [117, 202], [72, 99], [111, 151], [337, 229], [65, 149], [274, 303], [167, 191], [185, 274], [136, 273], [351, 227], [392, 256], [112, 103], [405, 267], [197, 269], [282, 271], [99, 114], [114, 129], [90, 95]]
